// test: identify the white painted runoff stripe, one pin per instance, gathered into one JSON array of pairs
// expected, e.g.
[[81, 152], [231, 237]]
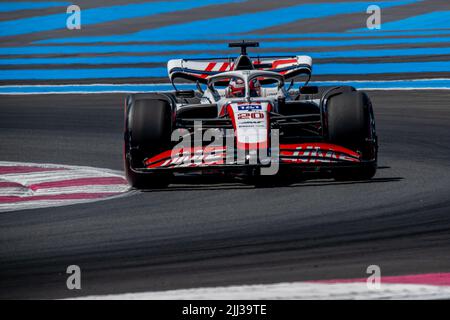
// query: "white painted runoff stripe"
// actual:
[[99, 88], [31, 185], [292, 291]]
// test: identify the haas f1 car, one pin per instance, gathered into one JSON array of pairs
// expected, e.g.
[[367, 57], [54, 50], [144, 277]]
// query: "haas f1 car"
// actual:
[[246, 118]]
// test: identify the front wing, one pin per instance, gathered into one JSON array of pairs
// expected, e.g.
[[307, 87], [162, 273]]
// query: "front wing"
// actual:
[[302, 155]]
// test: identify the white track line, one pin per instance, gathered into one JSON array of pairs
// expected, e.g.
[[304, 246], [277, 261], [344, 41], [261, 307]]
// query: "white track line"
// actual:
[[190, 84], [291, 290], [150, 85], [125, 91]]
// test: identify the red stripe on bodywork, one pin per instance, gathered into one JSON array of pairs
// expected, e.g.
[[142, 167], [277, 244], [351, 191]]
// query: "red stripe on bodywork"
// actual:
[[231, 114], [252, 146], [169, 155], [321, 145], [312, 151], [159, 157], [277, 63], [316, 153], [224, 67], [210, 66]]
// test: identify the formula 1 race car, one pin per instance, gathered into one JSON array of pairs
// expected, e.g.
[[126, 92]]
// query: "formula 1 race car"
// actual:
[[245, 118]]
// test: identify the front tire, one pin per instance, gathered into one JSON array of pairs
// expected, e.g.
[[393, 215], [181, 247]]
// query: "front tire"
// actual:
[[351, 124], [148, 129]]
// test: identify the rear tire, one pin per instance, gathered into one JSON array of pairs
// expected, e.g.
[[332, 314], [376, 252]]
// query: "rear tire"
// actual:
[[147, 133], [351, 124]]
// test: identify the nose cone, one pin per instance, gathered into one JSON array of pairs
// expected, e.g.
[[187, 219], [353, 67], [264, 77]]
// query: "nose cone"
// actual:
[[251, 124]]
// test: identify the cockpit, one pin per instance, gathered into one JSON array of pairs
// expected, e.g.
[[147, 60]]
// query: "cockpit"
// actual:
[[246, 84]]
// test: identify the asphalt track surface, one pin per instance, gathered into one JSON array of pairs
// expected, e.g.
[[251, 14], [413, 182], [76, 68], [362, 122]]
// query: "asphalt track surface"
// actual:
[[212, 233], [202, 233]]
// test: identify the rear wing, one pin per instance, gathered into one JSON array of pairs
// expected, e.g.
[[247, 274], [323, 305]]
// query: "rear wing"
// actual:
[[199, 70]]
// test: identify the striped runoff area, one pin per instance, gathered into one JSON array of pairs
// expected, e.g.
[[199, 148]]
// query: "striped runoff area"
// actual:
[[423, 286], [29, 185], [130, 42]]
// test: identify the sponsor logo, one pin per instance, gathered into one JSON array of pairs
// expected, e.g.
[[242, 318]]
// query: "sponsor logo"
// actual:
[[250, 107], [316, 154]]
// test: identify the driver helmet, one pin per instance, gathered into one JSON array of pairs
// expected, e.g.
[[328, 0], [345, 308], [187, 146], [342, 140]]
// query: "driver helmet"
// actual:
[[236, 88], [255, 88]]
